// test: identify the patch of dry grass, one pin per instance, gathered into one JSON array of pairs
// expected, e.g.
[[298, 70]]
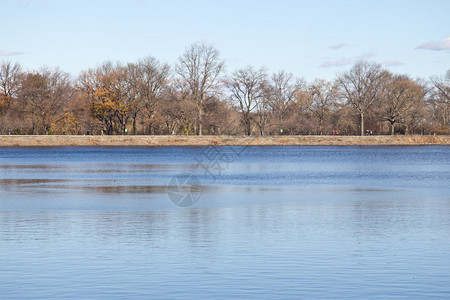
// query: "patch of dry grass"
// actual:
[[77, 140]]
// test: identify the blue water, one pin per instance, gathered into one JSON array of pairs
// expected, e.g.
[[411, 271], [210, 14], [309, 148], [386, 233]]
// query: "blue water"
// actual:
[[264, 222]]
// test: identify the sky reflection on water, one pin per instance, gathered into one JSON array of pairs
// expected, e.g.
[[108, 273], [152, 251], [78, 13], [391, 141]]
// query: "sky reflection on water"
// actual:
[[278, 222]]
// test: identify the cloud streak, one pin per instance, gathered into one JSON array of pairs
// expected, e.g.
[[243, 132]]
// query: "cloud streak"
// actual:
[[337, 46], [391, 63], [10, 53], [366, 55], [436, 45], [336, 63], [345, 61]]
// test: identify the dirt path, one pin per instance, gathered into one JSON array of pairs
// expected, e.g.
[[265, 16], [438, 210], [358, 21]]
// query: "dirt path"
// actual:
[[77, 140]]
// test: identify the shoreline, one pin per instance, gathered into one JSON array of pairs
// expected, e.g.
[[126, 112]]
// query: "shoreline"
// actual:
[[170, 140]]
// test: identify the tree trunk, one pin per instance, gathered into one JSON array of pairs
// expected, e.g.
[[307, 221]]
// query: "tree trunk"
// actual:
[[362, 123], [281, 131], [392, 128], [261, 124], [200, 116], [134, 123]]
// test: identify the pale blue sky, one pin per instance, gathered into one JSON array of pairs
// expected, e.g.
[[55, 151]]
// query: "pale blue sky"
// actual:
[[310, 38]]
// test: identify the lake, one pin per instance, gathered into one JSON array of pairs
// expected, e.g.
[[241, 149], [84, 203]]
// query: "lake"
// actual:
[[292, 222]]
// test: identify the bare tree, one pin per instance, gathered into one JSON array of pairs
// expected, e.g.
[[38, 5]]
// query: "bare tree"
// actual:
[[200, 67], [403, 98], [45, 96], [177, 111], [441, 98], [361, 86], [283, 89], [220, 118], [322, 96], [148, 78], [247, 87], [262, 112], [9, 84]]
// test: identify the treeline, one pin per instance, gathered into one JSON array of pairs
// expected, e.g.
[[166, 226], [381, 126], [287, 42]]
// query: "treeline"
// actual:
[[196, 96]]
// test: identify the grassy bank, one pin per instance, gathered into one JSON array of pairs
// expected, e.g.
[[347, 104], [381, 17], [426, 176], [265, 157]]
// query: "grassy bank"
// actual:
[[76, 140]]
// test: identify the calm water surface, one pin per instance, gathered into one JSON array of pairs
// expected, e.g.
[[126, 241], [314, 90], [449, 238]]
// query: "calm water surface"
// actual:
[[268, 222]]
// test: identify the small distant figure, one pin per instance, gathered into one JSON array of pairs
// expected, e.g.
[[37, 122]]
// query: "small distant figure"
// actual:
[[334, 132], [10, 132], [88, 133], [102, 131]]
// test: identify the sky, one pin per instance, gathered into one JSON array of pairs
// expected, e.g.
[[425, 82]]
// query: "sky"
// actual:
[[309, 38]]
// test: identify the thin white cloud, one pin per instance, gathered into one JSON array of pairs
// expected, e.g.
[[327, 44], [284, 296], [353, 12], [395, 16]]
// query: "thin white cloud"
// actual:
[[391, 63], [436, 45], [366, 55], [345, 61], [337, 46], [10, 53], [336, 63], [201, 42]]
